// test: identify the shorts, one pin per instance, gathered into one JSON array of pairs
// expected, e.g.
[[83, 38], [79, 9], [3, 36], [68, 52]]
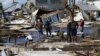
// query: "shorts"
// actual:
[[73, 32], [30, 40]]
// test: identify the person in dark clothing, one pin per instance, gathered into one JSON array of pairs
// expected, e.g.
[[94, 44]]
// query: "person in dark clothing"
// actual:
[[69, 32], [48, 27], [72, 30], [74, 27]]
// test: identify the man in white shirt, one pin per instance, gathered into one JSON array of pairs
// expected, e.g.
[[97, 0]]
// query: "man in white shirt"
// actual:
[[29, 38]]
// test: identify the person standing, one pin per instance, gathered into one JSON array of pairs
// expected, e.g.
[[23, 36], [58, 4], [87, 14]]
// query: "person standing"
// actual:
[[81, 25], [48, 27], [69, 32], [39, 26], [73, 29], [29, 39]]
